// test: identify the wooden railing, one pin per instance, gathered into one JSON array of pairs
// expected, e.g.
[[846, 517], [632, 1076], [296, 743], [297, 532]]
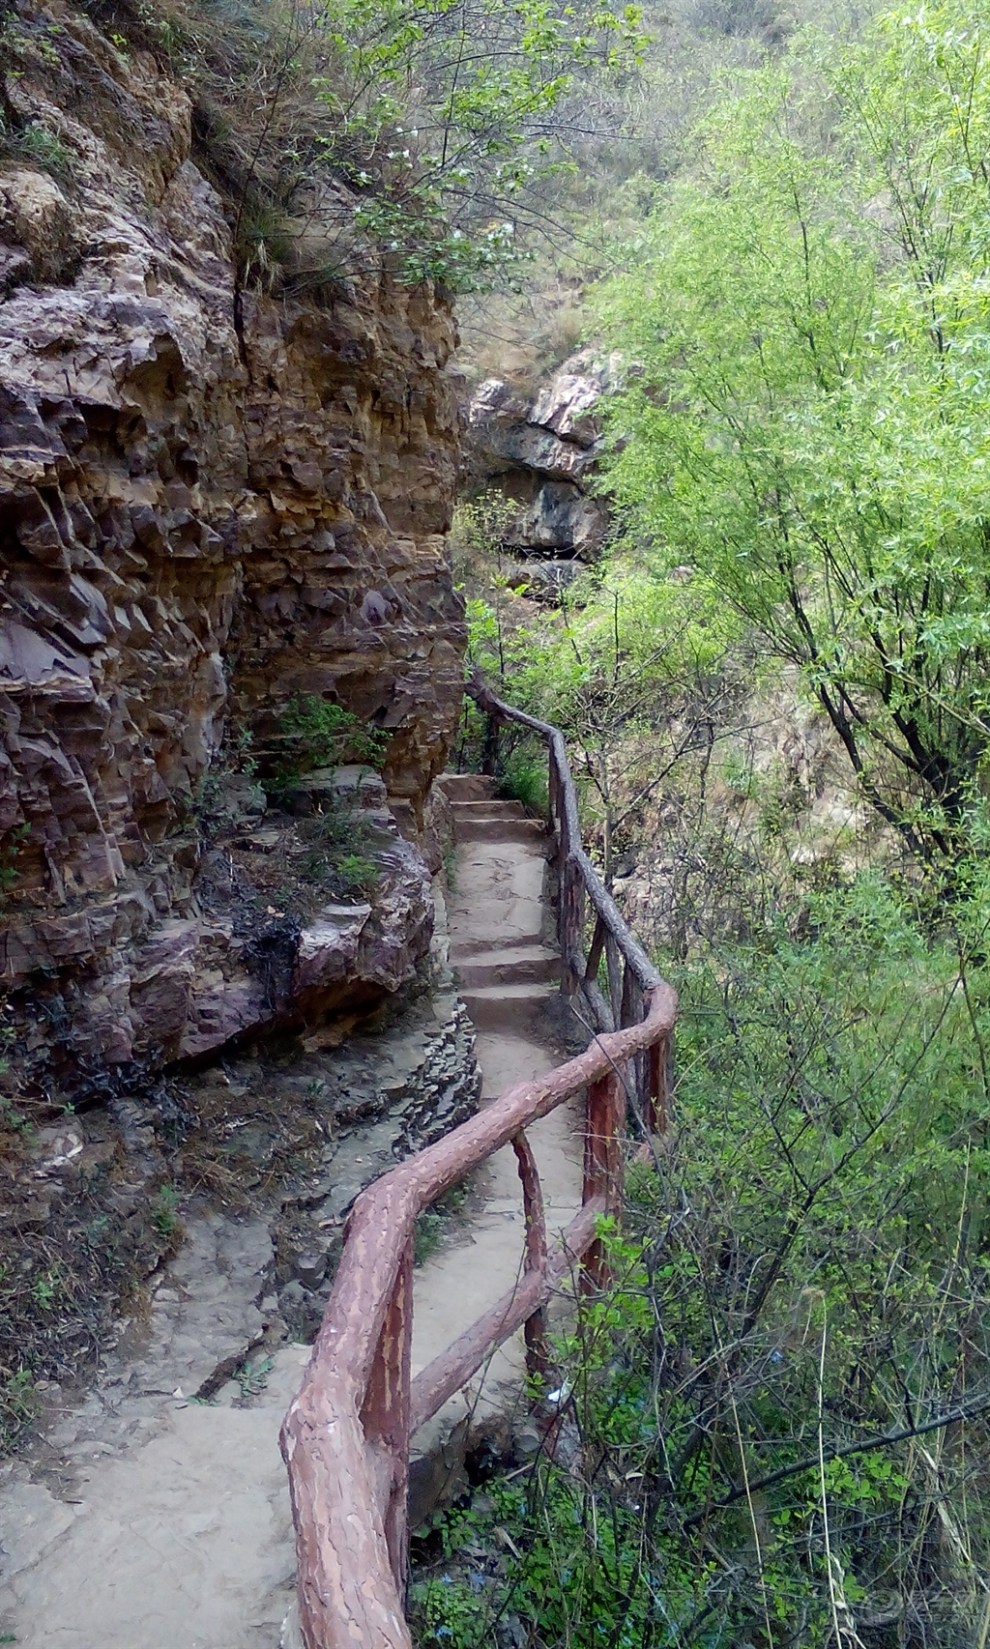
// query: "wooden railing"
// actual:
[[346, 1437]]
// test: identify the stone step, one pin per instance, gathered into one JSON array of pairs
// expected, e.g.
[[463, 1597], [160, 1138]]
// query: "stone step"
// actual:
[[508, 1007], [494, 829], [527, 931], [510, 965], [465, 787], [490, 808]]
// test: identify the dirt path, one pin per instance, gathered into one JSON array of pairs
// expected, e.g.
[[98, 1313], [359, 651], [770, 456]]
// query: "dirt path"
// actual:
[[146, 1520]]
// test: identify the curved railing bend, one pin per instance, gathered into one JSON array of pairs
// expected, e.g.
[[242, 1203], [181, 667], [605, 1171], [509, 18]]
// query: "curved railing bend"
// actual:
[[346, 1437]]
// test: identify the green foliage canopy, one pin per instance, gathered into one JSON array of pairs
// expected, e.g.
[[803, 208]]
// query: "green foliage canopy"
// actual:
[[455, 104], [811, 423], [404, 135]]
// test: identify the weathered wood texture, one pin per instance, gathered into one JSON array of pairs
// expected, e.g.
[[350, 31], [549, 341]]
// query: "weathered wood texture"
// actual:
[[345, 1439]]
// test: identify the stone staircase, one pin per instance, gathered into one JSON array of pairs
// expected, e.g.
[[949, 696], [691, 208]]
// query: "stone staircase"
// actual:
[[501, 930], [503, 955]]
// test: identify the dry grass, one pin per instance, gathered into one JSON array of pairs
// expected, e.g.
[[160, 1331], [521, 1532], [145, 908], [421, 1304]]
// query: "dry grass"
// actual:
[[523, 337], [261, 131], [75, 1246]]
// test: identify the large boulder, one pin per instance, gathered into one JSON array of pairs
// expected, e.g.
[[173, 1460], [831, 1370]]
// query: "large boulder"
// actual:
[[540, 449]]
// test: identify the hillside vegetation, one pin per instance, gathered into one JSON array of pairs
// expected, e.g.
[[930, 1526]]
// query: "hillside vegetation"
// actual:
[[353, 135]]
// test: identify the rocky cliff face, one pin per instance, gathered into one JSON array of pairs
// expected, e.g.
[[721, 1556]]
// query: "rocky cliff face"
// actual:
[[210, 501], [540, 451]]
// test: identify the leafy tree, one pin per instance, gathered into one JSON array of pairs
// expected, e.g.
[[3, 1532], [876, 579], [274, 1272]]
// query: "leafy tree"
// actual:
[[636, 682], [457, 105], [411, 134], [811, 429], [631, 668]]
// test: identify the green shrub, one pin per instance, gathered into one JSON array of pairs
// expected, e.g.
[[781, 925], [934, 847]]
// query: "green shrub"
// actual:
[[165, 1211], [357, 873], [524, 779], [804, 1286], [317, 733], [34, 145], [432, 1222], [10, 846], [18, 1401]]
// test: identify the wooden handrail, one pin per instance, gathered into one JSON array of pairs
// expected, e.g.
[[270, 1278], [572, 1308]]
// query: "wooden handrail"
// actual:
[[346, 1436]]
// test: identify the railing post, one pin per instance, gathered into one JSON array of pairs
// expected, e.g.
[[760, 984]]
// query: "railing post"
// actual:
[[638, 1078], [535, 1326], [595, 952], [660, 1083], [614, 963], [571, 924], [602, 1165], [385, 1415]]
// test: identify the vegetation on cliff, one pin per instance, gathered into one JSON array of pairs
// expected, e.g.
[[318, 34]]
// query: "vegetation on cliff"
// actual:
[[810, 428], [351, 133]]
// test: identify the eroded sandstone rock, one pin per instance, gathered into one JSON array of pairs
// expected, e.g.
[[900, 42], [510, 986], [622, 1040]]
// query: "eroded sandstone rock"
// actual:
[[210, 501]]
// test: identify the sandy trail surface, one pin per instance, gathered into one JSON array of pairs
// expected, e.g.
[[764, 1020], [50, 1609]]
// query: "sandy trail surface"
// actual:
[[144, 1519]]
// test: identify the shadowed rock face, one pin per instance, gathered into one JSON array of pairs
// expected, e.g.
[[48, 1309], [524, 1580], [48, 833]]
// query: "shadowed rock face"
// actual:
[[540, 450], [209, 502]]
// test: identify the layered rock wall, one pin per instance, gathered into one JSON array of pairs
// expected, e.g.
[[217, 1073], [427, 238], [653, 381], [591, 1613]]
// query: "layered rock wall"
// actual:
[[540, 449], [210, 501]]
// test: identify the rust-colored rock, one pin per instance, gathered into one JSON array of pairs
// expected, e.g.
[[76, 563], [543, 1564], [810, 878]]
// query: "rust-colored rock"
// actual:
[[209, 502]]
